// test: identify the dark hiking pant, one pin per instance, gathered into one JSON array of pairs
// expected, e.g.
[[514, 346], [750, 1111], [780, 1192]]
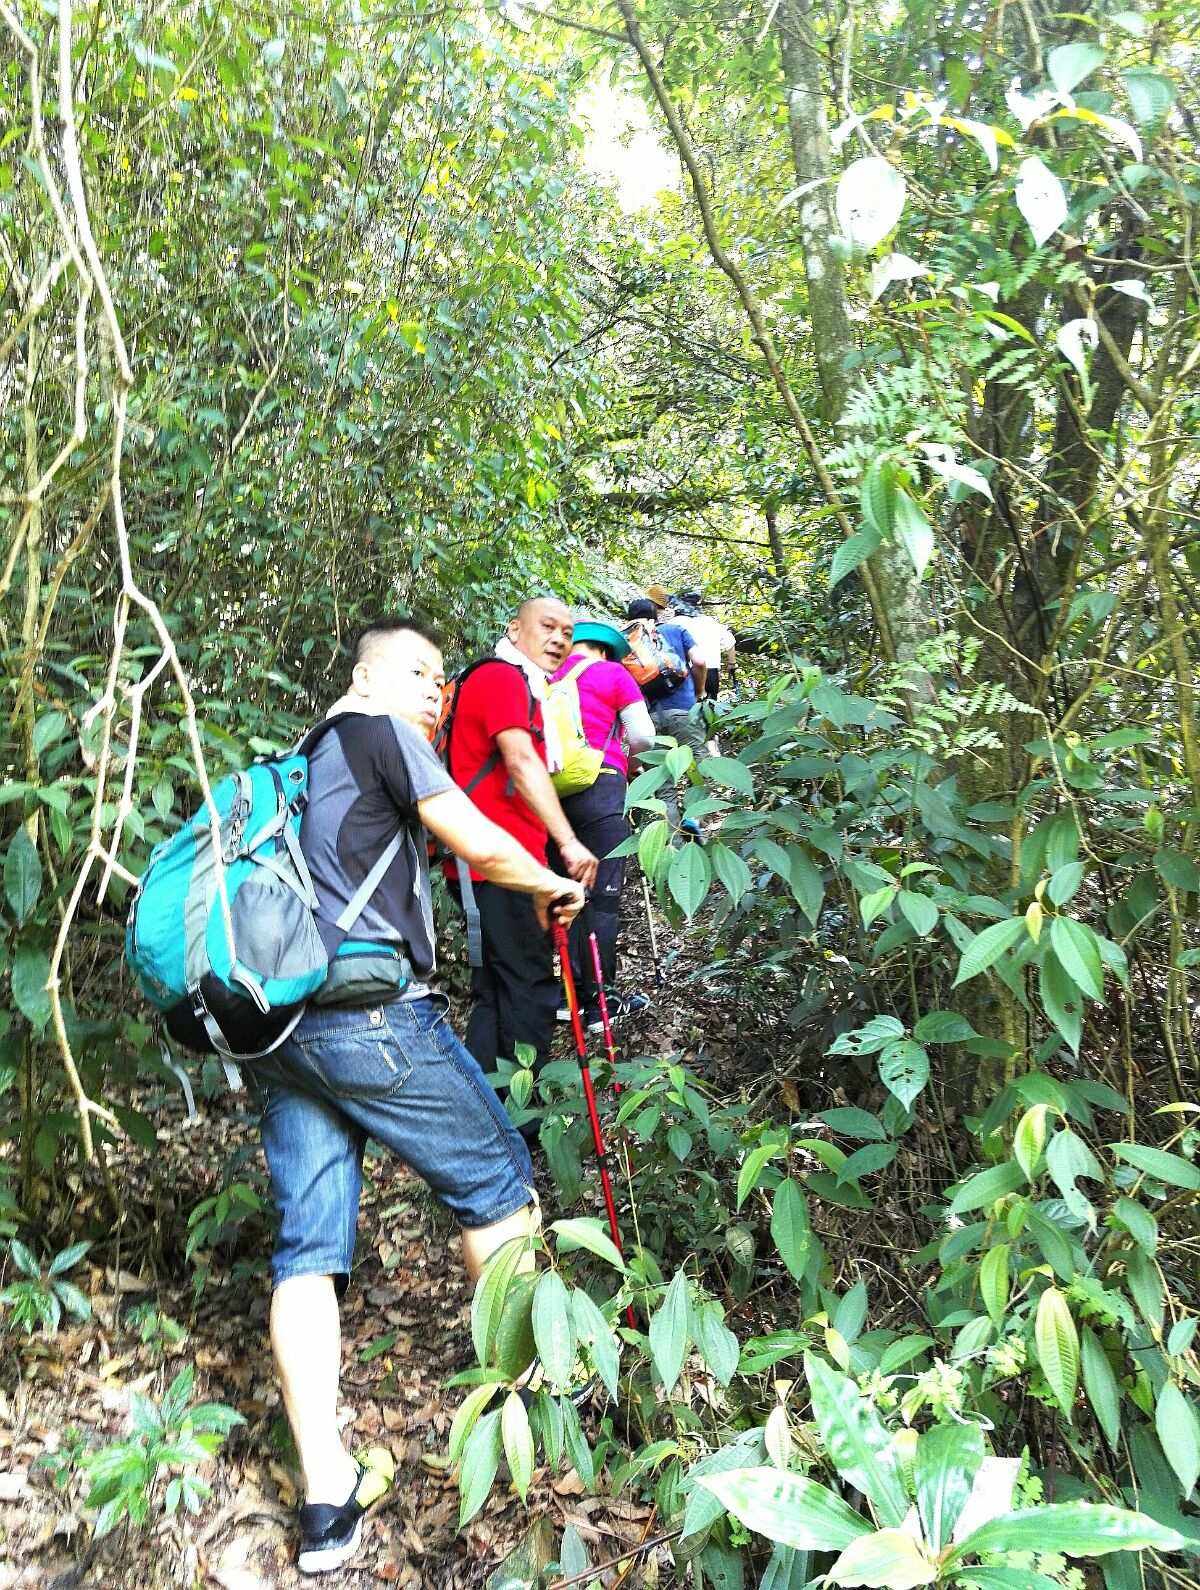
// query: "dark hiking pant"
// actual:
[[515, 993], [598, 817]]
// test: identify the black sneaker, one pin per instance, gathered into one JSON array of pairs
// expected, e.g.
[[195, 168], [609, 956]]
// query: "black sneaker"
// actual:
[[329, 1535]]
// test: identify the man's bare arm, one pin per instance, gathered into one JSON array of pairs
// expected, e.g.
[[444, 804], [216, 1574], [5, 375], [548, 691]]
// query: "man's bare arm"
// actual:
[[454, 818], [699, 670], [532, 783]]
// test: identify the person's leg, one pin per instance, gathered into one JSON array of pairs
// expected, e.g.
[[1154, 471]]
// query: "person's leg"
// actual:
[[445, 1122], [519, 961], [663, 724], [307, 1342], [314, 1155], [599, 820]]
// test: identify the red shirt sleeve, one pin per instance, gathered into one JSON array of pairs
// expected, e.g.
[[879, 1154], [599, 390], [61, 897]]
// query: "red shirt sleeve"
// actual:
[[498, 699]]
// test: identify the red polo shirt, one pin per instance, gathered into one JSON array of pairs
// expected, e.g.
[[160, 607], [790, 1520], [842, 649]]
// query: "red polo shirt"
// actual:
[[496, 697]]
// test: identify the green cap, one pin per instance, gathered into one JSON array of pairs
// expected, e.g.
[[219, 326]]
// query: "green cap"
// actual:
[[599, 633]]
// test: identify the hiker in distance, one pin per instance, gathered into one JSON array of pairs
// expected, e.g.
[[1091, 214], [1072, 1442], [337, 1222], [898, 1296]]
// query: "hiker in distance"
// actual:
[[616, 725], [384, 1062], [501, 752], [672, 707]]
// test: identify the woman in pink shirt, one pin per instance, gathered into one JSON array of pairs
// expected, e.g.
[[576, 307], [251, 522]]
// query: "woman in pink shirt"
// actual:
[[616, 720]]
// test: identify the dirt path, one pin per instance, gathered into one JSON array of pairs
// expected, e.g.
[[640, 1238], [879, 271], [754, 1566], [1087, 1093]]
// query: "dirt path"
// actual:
[[406, 1330]]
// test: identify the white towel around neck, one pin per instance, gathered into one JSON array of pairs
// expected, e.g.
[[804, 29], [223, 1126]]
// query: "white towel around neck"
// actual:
[[539, 689]]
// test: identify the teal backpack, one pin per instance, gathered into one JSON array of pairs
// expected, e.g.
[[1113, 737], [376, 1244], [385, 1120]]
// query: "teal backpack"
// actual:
[[238, 989]]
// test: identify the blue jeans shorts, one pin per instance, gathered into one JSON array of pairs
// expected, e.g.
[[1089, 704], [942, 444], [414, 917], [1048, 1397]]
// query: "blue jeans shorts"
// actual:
[[395, 1073]]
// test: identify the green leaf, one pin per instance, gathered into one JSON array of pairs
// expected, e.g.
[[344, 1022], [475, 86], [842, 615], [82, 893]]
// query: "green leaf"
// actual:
[[1157, 1162], [669, 1332], [552, 1332], [1029, 1140], [889, 1557], [986, 1186], [987, 947], [518, 1442], [752, 1168], [689, 878], [1065, 882], [790, 1228], [652, 844], [1140, 1223], [68, 1258], [731, 871], [856, 1441], [943, 1026], [1077, 1529], [586, 1233], [1178, 870], [904, 1070], [994, 1281], [1057, 1347], [22, 875], [487, 1304], [1145, 1287], [1075, 945], [877, 497], [593, 1329], [918, 910], [467, 1416], [849, 1121], [48, 730], [808, 887], [1061, 1000], [30, 969], [913, 531], [718, 1345], [850, 553], [1068, 1158], [1005, 1579], [876, 903], [729, 773], [1100, 1383], [787, 1508], [1179, 1434], [1069, 64], [1151, 95], [480, 1460], [948, 1457]]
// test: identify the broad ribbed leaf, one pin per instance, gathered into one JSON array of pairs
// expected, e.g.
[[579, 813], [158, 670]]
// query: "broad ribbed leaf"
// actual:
[[790, 1228], [731, 871], [22, 875], [987, 947], [1078, 951], [1100, 1383], [466, 1417], [593, 1329], [487, 1305], [986, 1186], [669, 1332], [1077, 1529], [481, 1459], [586, 1233], [1061, 1000], [1175, 1422], [552, 1329], [1160, 1164], [886, 1560], [689, 878], [1057, 1347], [787, 1508], [855, 1439], [947, 1460], [993, 1281], [518, 1442]]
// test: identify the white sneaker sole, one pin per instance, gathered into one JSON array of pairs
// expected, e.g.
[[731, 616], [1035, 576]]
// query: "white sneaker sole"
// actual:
[[330, 1557]]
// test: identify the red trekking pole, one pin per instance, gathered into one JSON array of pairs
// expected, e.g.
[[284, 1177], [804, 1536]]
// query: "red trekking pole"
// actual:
[[610, 1048], [589, 1092]]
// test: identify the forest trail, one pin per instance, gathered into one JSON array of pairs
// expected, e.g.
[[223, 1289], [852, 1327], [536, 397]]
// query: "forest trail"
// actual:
[[406, 1330]]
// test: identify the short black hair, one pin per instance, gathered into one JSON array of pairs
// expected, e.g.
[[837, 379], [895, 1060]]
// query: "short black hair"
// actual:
[[390, 624], [641, 607]]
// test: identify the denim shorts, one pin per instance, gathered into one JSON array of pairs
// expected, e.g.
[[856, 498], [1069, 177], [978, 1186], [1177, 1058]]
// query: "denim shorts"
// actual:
[[395, 1073]]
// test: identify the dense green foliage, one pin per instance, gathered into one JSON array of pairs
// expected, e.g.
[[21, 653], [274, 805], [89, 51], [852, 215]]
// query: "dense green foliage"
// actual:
[[917, 402]]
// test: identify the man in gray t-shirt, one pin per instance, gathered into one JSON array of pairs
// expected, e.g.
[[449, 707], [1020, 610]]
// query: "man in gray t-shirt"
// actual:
[[375, 1055]]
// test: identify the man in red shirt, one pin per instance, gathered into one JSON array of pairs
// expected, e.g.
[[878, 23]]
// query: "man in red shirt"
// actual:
[[498, 753]]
